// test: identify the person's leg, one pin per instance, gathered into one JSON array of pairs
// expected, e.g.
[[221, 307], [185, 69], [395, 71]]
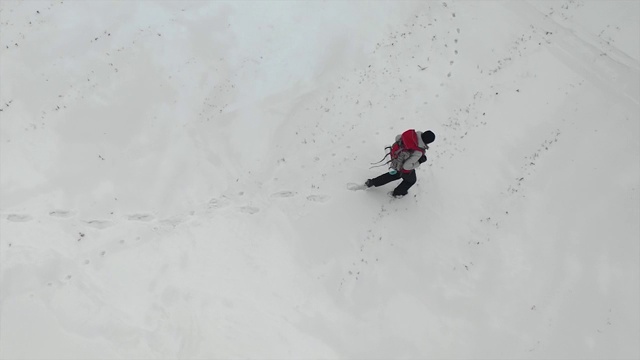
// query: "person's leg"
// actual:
[[383, 179], [408, 180]]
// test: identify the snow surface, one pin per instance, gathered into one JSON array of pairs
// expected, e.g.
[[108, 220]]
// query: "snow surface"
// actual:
[[174, 180]]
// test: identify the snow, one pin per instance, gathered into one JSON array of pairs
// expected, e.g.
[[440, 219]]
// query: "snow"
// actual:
[[174, 180]]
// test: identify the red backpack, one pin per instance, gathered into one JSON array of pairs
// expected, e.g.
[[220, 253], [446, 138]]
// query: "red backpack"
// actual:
[[408, 142]]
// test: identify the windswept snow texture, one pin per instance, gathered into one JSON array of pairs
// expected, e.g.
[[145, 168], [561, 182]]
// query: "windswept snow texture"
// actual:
[[175, 180]]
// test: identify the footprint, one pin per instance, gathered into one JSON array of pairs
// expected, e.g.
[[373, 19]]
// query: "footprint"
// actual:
[[319, 198], [177, 219], [218, 203], [173, 221], [140, 217], [283, 194], [61, 213], [355, 187], [249, 210], [99, 224], [19, 218]]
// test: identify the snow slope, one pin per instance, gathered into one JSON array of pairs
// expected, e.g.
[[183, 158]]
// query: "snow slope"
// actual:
[[174, 180]]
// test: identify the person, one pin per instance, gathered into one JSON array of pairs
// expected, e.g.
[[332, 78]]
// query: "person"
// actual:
[[407, 154]]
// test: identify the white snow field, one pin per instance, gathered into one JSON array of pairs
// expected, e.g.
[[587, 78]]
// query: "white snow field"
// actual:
[[174, 180]]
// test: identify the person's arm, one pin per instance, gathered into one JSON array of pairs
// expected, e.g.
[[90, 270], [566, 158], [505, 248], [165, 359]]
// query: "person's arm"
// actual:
[[413, 161]]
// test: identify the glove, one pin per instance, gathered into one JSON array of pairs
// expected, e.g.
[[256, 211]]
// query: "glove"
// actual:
[[422, 159]]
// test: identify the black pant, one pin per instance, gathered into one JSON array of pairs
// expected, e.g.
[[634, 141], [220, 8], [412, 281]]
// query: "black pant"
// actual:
[[408, 179]]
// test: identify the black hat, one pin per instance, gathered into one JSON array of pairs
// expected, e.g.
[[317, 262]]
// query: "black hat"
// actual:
[[428, 137]]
